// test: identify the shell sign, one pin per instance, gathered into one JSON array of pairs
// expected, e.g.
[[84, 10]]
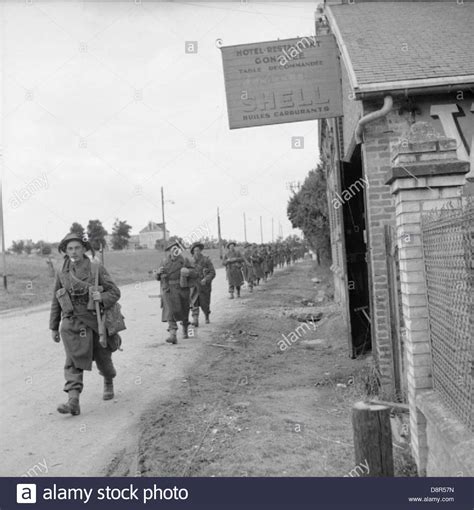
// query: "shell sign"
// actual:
[[283, 81]]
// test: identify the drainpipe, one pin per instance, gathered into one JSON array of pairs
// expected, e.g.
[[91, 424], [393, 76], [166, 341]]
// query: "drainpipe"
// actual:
[[386, 108]]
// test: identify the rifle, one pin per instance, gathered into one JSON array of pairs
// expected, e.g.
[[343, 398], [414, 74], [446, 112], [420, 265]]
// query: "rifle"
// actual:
[[100, 320]]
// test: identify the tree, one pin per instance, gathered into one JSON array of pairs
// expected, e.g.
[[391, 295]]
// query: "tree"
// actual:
[[43, 247], [308, 210], [17, 247], [77, 228], [96, 234], [46, 249], [120, 234]]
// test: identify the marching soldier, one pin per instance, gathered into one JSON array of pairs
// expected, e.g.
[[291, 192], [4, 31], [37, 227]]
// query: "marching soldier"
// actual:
[[200, 294], [233, 263], [257, 264], [74, 321], [175, 275], [249, 272]]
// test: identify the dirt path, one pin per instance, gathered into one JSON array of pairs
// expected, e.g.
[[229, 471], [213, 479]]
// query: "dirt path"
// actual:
[[35, 435], [250, 408]]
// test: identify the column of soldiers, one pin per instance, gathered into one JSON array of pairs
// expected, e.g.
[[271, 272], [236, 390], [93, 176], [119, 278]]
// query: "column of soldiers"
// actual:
[[256, 263], [84, 292]]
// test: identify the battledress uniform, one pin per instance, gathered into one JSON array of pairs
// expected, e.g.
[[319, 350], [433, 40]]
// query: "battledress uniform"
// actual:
[[78, 326], [200, 293]]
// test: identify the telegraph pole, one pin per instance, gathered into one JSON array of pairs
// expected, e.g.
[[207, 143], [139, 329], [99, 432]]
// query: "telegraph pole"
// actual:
[[219, 232], [245, 228], [2, 226], [163, 215], [4, 259], [261, 231]]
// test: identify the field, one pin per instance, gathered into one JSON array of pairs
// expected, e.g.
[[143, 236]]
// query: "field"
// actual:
[[30, 280]]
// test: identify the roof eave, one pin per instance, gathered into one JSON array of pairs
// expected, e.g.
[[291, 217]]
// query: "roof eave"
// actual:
[[445, 84], [342, 47]]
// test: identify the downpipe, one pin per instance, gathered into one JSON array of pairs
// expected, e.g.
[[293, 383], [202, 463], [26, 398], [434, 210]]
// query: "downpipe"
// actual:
[[370, 117]]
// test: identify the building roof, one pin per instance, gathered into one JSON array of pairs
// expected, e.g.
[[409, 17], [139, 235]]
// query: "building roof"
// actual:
[[152, 227], [405, 45]]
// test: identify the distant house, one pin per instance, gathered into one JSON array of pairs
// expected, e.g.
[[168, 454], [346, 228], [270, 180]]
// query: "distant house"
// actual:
[[134, 242], [151, 233]]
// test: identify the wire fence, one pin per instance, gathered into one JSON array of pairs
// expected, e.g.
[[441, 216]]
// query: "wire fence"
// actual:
[[448, 246]]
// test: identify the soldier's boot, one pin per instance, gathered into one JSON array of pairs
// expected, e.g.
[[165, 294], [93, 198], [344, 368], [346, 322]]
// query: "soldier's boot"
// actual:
[[207, 318], [238, 292], [185, 331], [195, 321], [231, 295], [251, 288], [108, 389], [172, 339], [72, 405]]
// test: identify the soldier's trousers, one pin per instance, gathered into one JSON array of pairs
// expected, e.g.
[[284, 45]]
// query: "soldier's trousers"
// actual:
[[173, 325], [103, 359]]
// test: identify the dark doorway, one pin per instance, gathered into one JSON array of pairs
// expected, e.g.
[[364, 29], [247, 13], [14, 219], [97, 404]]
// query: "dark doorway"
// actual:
[[353, 198]]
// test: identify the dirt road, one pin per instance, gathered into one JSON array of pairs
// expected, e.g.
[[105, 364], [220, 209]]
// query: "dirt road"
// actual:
[[38, 441], [232, 401], [255, 404]]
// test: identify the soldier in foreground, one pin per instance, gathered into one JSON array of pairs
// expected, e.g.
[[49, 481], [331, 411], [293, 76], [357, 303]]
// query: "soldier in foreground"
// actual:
[[200, 294], [233, 263], [176, 276], [73, 319]]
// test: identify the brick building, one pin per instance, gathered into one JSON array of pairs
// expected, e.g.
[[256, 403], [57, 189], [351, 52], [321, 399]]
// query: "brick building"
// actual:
[[407, 81]]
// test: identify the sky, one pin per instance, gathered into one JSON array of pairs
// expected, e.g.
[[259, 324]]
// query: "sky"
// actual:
[[101, 107]]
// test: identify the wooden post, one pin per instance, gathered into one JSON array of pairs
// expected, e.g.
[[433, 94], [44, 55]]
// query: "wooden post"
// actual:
[[373, 438], [163, 215], [2, 174], [219, 233]]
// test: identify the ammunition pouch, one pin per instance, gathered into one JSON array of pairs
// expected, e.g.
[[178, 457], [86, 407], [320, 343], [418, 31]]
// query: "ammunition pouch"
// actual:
[[64, 299]]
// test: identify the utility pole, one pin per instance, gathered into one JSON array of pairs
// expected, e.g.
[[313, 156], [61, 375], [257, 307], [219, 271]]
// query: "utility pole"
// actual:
[[163, 215], [4, 259], [261, 231], [280, 230], [2, 226], [273, 233], [219, 233], [245, 228]]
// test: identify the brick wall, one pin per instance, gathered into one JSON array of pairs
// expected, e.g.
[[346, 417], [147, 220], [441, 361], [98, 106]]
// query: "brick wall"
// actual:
[[329, 155], [425, 175], [379, 136]]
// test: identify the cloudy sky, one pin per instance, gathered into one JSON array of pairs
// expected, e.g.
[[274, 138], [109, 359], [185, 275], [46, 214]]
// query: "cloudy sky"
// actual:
[[101, 106]]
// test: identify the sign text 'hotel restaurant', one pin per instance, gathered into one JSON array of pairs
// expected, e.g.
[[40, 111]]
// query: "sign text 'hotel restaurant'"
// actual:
[[282, 81]]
